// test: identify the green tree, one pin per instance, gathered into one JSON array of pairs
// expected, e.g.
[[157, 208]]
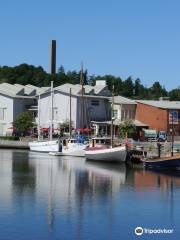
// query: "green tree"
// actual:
[[175, 94], [23, 123], [157, 91], [29, 74], [128, 87], [24, 74], [127, 127], [64, 126], [139, 89]]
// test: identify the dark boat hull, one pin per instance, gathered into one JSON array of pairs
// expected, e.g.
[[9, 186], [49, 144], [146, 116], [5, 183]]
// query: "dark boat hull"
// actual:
[[162, 163]]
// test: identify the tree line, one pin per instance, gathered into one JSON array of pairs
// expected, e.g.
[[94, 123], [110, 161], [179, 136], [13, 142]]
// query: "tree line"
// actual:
[[131, 88]]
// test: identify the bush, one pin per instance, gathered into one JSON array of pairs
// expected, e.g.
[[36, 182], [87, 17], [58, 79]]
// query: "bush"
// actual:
[[23, 123], [127, 127], [11, 138]]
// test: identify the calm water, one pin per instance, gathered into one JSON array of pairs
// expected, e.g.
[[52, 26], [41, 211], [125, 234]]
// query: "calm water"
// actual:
[[46, 197]]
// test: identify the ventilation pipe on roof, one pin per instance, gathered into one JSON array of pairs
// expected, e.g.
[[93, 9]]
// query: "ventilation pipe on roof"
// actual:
[[101, 83]]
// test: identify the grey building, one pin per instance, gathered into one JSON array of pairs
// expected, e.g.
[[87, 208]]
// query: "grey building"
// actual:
[[15, 99], [93, 106]]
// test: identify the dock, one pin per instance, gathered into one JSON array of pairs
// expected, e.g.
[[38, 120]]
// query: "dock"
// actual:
[[14, 144]]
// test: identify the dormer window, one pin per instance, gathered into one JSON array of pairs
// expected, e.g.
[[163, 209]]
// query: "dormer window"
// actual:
[[94, 102]]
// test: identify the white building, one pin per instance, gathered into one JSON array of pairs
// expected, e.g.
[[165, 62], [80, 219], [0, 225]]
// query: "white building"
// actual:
[[15, 99], [124, 108], [95, 100]]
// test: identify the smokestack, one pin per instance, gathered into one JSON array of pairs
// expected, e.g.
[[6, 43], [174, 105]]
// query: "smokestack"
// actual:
[[53, 57]]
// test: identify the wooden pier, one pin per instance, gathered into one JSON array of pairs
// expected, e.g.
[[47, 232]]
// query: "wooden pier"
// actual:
[[14, 144]]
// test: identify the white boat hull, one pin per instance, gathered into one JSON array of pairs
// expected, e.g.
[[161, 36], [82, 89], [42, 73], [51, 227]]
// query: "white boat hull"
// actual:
[[72, 149], [117, 154], [45, 146]]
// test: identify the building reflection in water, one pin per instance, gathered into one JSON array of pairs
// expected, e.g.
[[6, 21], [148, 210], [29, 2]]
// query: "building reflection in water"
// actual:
[[162, 179], [23, 177], [64, 189], [68, 184]]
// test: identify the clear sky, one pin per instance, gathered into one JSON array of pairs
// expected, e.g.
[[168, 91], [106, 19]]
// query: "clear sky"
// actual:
[[140, 38]]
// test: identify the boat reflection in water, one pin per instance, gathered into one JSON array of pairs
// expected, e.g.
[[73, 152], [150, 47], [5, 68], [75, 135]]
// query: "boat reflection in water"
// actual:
[[45, 197]]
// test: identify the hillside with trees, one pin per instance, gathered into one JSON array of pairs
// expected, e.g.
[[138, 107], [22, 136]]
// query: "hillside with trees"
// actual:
[[132, 88]]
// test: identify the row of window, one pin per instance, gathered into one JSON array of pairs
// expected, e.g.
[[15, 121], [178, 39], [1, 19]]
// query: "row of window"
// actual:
[[2, 114], [125, 114]]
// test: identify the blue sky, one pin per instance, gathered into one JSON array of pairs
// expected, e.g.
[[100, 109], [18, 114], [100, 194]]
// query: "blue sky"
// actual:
[[138, 38]]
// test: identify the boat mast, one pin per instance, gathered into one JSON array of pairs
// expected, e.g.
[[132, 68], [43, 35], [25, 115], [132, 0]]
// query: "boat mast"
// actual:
[[112, 116], [172, 136], [51, 117], [82, 96], [70, 127], [53, 72], [38, 127]]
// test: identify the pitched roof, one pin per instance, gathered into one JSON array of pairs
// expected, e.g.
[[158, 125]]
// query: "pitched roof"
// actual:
[[21, 91], [11, 89], [29, 91], [77, 89], [161, 104], [123, 100]]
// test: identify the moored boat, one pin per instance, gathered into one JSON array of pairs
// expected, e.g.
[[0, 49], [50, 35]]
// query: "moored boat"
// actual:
[[162, 162], [110, 152], [72, 148], [115, 154], [45, 146]]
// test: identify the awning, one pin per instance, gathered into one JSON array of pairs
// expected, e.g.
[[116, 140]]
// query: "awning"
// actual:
[[117, 122]]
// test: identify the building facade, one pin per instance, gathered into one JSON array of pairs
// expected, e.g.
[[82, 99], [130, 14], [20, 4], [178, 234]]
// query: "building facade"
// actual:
[[15, 99], [93, 105], [160, 115], [124, 109]]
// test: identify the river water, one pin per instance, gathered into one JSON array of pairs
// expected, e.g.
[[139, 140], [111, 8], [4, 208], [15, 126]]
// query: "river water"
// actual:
[[48, 197]]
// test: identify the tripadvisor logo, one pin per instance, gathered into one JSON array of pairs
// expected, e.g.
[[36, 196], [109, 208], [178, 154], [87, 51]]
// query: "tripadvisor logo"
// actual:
[[138, 231]]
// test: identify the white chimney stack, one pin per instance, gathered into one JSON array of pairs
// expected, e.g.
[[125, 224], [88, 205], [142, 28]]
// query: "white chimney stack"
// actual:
[[101, 83]]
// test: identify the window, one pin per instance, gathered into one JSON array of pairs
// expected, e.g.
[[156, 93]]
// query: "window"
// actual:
[[95, 103], [126, 114], [133, 114], [55, 113], [2, 113], [115, 114], [122, 115]]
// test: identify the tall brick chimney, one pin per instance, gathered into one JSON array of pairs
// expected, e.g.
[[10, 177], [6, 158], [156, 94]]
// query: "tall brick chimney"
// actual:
[[53, 57]]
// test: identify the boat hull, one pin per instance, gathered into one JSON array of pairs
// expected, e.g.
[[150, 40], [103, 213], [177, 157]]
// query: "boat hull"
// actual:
[[72, 149], [117, 154], [45, 146], [163, 163]]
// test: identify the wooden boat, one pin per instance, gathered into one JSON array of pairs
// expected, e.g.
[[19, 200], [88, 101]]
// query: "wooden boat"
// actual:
[[108, 154], [162, 162], [72, 148], [45, 146]]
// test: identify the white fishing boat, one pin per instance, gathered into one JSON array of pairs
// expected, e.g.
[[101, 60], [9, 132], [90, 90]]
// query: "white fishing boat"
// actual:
[[46, 145], [115, 154], [72, 148]]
